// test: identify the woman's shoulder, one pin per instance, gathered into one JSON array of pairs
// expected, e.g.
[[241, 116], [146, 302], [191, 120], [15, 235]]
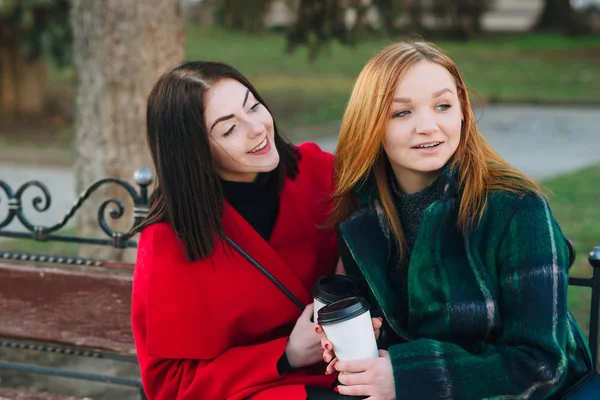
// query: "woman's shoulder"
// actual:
[[159, 240], [315, 166], [311, 153], [505, 208], [162, 251], [512, 200], [159, 231]]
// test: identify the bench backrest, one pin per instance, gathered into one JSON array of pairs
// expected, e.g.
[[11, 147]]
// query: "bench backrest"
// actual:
[[66, 305]]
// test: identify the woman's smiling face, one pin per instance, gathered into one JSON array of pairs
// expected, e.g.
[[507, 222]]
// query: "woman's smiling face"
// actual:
[[424, 127], [241, 130]]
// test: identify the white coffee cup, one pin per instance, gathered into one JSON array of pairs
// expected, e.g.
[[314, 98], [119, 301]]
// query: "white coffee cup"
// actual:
[[331, 288], [347, 324]]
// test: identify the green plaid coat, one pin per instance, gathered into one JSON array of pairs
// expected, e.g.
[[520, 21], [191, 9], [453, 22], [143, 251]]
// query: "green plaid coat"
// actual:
[[487, 310]]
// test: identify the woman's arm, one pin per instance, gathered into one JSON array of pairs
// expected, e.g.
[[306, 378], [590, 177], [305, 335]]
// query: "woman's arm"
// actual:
[[529, 359], [238, 372], [201, 360]]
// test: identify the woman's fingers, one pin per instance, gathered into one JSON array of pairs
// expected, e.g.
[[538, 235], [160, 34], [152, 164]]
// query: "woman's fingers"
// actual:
[[328, 355], [354, 366], [377, 323], [359, 378], [356, 390], [330, 367], [326, 344]]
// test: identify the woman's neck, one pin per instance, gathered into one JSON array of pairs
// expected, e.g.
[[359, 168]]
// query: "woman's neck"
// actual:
[[410, 182]]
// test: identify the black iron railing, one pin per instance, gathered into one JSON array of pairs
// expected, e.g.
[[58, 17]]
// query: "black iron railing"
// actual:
[[41, 203]]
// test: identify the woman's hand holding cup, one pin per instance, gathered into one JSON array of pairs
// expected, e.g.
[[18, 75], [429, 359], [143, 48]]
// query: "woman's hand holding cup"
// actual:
[[327, 346], [304, 345], [372, 378]]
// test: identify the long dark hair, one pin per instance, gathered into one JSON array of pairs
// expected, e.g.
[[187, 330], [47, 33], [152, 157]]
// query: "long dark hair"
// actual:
[[188, 192]]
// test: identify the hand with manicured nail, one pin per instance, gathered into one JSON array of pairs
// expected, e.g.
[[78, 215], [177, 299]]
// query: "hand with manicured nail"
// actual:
[[328, 353], [304, 345], [372, 377]]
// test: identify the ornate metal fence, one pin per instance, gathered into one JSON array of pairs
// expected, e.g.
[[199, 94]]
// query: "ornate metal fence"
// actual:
[[41, 203]]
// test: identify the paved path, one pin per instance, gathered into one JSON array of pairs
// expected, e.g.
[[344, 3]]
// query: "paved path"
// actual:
[[59, 181], [541, 141]]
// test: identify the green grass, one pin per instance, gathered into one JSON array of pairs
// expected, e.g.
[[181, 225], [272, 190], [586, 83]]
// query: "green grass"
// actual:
[[533, 68], [526, 68], [46, 248], [574, 204]]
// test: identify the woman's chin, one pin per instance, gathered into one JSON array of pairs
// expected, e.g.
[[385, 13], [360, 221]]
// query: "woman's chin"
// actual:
[[267, 165]]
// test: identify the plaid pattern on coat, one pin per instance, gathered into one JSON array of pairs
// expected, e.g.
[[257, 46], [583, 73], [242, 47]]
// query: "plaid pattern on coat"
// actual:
[[487, 310]]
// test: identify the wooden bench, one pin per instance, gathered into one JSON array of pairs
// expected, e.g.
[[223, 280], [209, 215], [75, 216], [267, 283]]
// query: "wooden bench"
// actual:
[[71, 306], [81, 307]]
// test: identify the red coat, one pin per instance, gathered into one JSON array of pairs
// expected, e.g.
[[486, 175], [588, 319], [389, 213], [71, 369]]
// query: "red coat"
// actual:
[[207, 330]]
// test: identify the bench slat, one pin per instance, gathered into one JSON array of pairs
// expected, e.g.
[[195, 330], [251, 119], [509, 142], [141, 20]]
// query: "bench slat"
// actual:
[[82, 307]]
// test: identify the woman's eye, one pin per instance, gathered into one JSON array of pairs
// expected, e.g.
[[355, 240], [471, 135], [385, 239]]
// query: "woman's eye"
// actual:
[[254, 107], [229, 131], [444, 107], [401, 114]]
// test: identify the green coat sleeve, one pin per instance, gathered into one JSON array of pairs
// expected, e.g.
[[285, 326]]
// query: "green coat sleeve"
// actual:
[[530, 358]]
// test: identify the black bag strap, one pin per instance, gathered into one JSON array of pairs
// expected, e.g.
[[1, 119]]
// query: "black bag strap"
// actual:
[[266, 273]]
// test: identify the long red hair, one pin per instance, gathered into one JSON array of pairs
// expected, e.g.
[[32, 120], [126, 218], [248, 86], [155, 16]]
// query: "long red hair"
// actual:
[[359, 154]]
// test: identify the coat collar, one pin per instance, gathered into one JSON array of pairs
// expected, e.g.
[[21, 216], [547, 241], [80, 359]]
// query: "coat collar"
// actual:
[[366, 191], [369, 238], [265, 253]]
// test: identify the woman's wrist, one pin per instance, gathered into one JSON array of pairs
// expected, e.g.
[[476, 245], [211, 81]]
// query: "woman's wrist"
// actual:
[[292, 356]]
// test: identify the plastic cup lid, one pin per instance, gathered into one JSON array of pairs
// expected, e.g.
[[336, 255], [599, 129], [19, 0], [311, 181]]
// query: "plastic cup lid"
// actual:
[[331, 288], [343, 310]]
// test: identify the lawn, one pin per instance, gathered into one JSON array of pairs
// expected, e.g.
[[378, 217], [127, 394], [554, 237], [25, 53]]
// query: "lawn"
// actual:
[[526, 68], [307, 98], [532, 68], [574, 201]]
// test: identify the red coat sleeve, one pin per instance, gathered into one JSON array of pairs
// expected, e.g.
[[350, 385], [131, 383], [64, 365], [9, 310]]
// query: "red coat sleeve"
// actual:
[[237, 373], [204, 365]]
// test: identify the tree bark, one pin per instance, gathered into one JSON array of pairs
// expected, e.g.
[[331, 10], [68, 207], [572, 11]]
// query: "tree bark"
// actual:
[[23, 83], [8, 89], [121, 48], [415, 12], [31, 81], [558, 15]]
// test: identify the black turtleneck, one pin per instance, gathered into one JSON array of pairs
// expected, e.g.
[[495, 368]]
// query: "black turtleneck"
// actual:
[[411, 208], [257, 202]]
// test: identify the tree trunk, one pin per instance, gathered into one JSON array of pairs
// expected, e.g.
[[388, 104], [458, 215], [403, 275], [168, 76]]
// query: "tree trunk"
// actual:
[[121, 48], [31, 80], [23, 83], [415, 12], [558, 15], [8, 89]]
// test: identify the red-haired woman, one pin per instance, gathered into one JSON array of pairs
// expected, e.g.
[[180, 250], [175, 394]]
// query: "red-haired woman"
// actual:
[[458, 249]]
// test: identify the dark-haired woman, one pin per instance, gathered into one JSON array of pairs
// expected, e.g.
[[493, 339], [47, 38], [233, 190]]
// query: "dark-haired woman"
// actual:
[[207, 323]]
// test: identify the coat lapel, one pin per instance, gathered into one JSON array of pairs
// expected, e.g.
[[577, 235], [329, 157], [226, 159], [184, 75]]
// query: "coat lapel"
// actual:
[[368, 238], [241, 232]]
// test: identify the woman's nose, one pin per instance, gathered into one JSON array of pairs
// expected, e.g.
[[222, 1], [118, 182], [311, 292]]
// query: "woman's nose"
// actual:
[[426, 125], [256, 127]]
